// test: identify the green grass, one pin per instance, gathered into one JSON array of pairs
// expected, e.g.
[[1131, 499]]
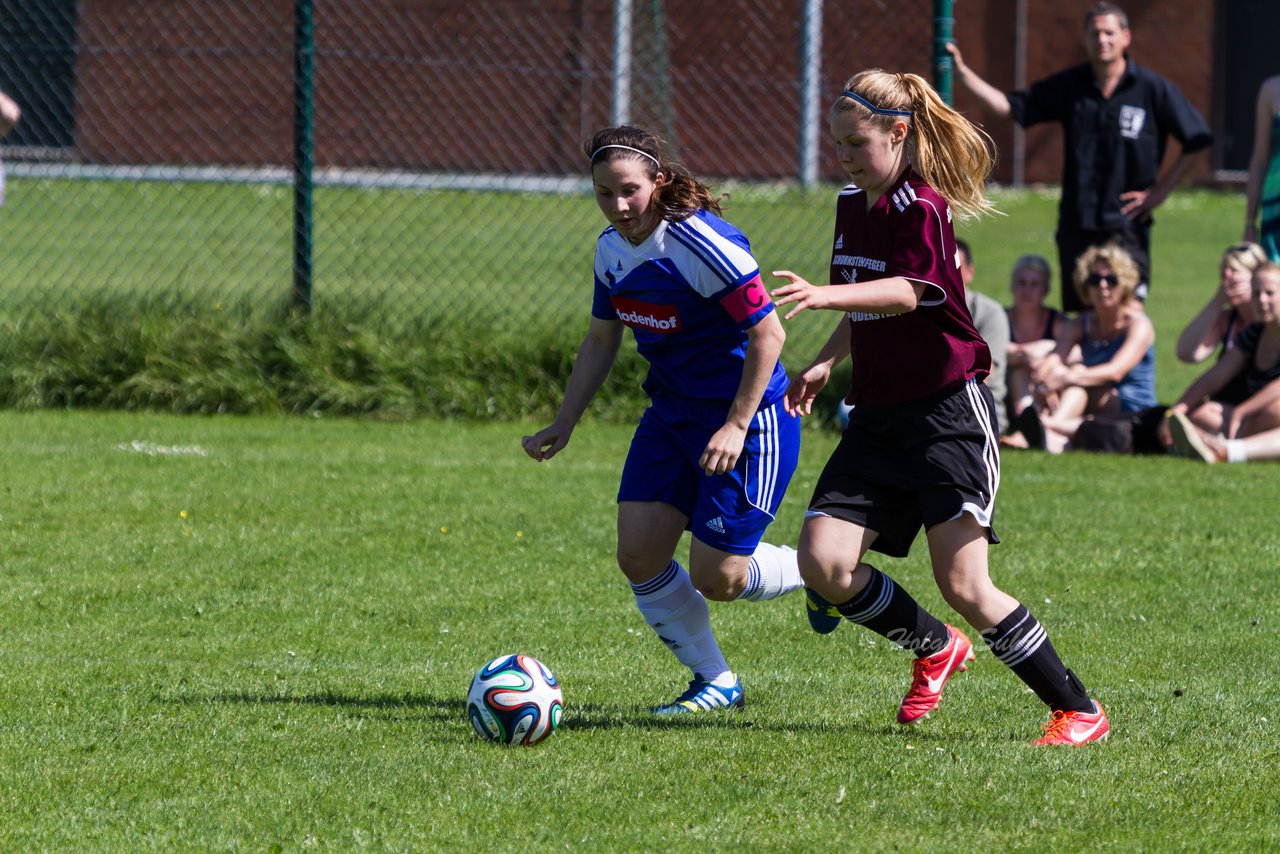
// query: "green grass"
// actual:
[[257, 634]]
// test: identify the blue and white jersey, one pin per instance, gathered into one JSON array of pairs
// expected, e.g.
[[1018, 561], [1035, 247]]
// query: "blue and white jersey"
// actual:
[[689, 292]]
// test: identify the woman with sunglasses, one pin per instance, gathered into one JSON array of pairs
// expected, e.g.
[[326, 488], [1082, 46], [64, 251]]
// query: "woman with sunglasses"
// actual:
[[1116, 372]]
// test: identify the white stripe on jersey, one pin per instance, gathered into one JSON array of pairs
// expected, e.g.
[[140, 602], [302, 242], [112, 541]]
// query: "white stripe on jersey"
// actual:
[[905, 196], [729, 262]]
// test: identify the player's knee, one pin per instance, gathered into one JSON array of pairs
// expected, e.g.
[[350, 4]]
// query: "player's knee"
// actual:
[[965, 595], [820, 565], [718, 583], [639, 566], [721, 592], [812, 573]]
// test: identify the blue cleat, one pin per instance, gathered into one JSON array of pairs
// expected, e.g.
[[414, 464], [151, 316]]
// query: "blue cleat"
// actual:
[[702, 696], [823, 616]]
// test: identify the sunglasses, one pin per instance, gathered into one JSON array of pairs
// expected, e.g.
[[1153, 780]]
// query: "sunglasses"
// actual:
[[1097, 280]]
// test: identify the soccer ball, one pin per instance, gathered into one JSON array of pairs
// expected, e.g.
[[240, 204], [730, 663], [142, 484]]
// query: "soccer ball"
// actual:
[[515, 699]]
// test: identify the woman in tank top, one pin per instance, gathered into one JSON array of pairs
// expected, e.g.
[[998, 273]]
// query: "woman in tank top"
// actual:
[[1116, 371]]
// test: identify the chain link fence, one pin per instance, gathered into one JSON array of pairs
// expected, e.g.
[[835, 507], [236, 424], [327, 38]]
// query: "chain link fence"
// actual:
[[153, 162]]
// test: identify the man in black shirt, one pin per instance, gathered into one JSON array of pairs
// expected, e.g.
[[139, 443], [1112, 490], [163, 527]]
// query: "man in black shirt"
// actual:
[[1116, 119]]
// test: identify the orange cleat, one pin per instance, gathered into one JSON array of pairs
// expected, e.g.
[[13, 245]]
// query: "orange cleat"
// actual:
[[931, 673], [1076, 728]]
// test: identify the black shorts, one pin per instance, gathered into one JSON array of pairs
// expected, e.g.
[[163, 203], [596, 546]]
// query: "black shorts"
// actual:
[[910, 465]]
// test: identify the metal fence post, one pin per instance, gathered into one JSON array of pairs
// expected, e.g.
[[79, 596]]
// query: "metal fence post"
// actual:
[[942, 64], [623, 17], [810, 91], [303, 150]]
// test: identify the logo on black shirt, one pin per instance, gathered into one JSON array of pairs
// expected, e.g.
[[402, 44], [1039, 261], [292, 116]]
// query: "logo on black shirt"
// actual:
[[1131, 121]]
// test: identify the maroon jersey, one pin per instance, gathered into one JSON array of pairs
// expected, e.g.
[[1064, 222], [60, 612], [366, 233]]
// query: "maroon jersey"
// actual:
[[907, 233]]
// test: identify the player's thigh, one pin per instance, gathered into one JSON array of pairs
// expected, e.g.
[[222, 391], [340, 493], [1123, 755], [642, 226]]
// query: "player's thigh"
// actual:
[[648, 532]]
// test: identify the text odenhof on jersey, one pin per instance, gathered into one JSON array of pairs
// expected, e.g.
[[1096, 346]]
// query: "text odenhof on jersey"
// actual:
[[663, 319]]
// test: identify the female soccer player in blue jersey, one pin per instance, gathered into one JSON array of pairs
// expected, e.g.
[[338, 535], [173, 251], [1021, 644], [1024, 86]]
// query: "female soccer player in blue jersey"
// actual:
[[716, 448], [921, 448]]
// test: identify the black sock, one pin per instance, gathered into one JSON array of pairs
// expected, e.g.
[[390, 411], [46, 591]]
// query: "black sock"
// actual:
[[888, 610], [1021, 643]]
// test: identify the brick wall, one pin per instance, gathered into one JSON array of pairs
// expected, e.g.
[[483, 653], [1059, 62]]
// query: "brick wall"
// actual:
[[490, 86]]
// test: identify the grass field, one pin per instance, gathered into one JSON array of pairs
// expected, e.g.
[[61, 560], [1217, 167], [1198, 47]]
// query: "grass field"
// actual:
[[257, 634]]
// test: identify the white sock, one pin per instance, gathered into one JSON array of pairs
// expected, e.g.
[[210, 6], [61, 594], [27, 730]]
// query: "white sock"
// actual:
[[1236, 452], [679, 615], [773, 572]]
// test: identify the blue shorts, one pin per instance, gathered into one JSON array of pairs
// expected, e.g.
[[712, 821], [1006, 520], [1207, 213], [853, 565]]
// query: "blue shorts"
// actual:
[[729, 511]]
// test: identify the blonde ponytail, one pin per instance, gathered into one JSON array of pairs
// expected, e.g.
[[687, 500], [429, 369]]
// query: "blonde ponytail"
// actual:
[[949, 151]]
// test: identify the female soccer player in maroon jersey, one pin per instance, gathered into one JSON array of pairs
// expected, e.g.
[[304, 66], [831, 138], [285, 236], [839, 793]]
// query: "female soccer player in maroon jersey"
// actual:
[[921, 448]]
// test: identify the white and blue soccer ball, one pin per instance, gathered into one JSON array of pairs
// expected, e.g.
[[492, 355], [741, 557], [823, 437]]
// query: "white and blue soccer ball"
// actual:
[[515, 699]]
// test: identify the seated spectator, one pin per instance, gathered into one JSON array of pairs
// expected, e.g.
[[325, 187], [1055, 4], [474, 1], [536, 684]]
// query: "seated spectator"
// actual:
[[1033, 328], [1230, 309], [1116, 371], [989, 319], [1254, 361], [1214, 329], [1216, 449]]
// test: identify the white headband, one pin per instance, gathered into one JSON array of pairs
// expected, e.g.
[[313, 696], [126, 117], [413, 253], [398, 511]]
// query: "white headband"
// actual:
[[625, 148]]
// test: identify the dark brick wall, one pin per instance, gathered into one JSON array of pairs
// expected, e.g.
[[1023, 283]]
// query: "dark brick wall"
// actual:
[[489, 87]]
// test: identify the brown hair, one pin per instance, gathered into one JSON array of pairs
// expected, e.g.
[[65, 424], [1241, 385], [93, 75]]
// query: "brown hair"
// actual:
[[950, 152], [680, 196], [1120, 262], [1033, 262], [1098, 10]]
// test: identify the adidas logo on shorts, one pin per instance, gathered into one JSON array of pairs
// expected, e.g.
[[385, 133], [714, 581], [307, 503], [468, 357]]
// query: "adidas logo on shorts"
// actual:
[[717, 525]]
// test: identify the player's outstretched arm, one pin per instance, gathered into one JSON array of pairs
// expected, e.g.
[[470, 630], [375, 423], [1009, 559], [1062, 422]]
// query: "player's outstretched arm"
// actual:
[[894, 295], [807, 383], [595, 358]]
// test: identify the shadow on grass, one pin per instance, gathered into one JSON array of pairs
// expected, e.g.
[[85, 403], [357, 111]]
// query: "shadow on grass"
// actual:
[[451, 709], [579, 716], [592, 716]]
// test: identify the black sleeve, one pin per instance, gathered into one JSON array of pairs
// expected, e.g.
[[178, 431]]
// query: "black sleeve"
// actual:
[[1046, 100], [1180, 119]]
